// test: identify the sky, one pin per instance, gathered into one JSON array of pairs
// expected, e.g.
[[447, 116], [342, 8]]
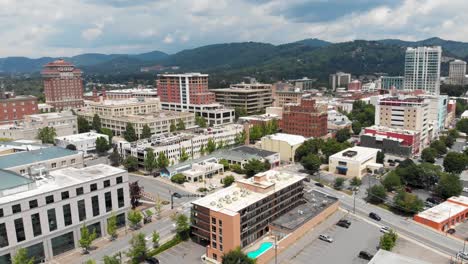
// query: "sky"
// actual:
[[36, 28]]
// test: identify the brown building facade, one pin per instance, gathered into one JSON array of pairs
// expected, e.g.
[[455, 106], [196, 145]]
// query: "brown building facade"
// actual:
[[306, 119], [189, 88], [63, 86], [16, 107]]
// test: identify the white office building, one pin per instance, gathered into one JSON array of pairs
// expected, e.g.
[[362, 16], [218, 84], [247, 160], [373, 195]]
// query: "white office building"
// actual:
[[83, 142], [422, 69], [45, 214], [457, 72]]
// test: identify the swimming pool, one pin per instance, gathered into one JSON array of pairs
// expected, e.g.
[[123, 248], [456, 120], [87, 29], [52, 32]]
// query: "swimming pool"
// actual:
[[263, 247]]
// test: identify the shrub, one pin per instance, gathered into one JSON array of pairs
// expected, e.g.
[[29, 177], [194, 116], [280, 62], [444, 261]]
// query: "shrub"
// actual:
[[179, 178]]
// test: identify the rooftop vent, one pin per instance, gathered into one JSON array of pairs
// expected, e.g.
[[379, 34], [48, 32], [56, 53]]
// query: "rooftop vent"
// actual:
[[350, 153]]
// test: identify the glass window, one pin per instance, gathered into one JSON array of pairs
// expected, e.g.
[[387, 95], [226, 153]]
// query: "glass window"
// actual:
[[16, 208], [95, 205], [67, 215], [93, 187], [5, 258], [121, 220], [3, 236], [36, 224], [65, 195], [1, 212], [49, 199], [62, 244], [19, 228], [32, 204], [79, 191], [36, 251], [52, 218], [120, 197], [81, 210], [213, 220], [108, 200], [106, 183], [96, 227], [119, 180]]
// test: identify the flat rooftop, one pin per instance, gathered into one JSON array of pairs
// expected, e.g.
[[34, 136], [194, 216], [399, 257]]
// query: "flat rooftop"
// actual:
[[361, 154], [129, 101], [253, 151], [459, 199], [289, 138], [10, 179], [442, 212], [232, 199], [387, 257], [33, 156], [82, 136]]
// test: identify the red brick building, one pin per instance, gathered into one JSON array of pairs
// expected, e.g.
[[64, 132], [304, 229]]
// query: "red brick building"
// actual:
[[184, 89], [355, 85], [307, 119], [63, 86], [14, 108]]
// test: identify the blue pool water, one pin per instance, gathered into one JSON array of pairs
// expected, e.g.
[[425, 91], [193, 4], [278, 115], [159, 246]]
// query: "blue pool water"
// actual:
[[263, 247]]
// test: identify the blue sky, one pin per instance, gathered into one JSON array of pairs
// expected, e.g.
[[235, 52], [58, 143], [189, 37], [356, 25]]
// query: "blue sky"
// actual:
[[37, 28]]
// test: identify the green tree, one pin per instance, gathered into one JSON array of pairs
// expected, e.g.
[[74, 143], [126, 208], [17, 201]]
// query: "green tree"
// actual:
[[200, 121], [256, 133], [237, 169], [155, 238], [96, 123], [21, 257], [180, 125], [210, 146], [158, 206], [146, 132], [239, 112], [86, 238], [236, 256], [228, 181], [47, 135], [179, 178], [220, 144], [376, 194], [311, 163], [163, 161], [173, 127], [83, 125], [130, 134], [130, 163], [462, 125], [138, 251], [108, 132], [355, 181], [102, 145], [111, 260], [134, 217], [339, 183], [449, 185], [225, 164], [114, 158], [309, 146], [362, 112], [429, 155], [150, 160], [356, 126], [202, 150], [380, 157], [182, 227], [240, 138], [448, 141], [408, 203], [342, 135], [112, 226], [439, 146], [455, 162], [253, 167], [388, 240], [184, 155], [392, 181], [331, 146]]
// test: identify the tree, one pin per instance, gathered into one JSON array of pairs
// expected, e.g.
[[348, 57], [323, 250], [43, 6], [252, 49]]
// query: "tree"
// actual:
[[309, 146], [150, 160], [182, 227], [47, 135], [146, 132], [114, 158], [355, 181], [462, 125], [228, 181], [155, 238], [392, 181], [429, 155], [179, 178], [311, 163], [439, 146], [71, 147], [225, 164], [342, 135], [96, 123], [102, 145], [180, 125], [210, 146], [388, 240], [86, 238], [138, 251], [134, 217], [130, 134], [184, 155], [173, 127], [376, 194], [108, 133], [253, 167], [331, 146], [380, 157], [112, 226], [131, 163], [237, 169], [236, 256], [162, 160], [255, 133], [21, 257], [135, 193], [455, 162], [202, 150], [362, 112], [240, 138], [339, 183], [447, 140], [200, 121], [83, 125], [111, 260], [158, 206], [449, 185], [240, 112], [407, 202], [220, 144], [356, 126]]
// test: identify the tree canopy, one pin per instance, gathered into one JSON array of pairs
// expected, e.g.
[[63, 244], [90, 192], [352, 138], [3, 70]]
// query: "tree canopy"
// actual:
[[311, 162], [146, 132], [47, 135], [236, 257], [97, 123], [342, 135], [130, 134], [449, 185], [83, 125], [455, 162], [255, 166]]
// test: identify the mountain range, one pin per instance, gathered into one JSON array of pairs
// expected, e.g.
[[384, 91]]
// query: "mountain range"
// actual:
[[267, 62]]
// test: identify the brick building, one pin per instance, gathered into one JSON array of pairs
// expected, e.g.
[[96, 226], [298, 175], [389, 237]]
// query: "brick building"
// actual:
[[63, 86], [307, 119], [14, 108]]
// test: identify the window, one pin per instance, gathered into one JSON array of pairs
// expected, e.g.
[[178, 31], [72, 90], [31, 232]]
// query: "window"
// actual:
[[65, 195], [1, 212], [49, 199], [119, 179], [54, 165], [220, 239], [220, 223], [81, 210], [19, 228], [215, 257], [220, 231], [16, 208], [64, 162], [120, 198], [23, 171], [36, 224], [213, 228], [79, 191], [73, 161], [106, 183], [213, 220], [62, 243], [52, 219], [213, 237], [213, 244], [93, 187], [95, 205], [108, 201], [32, 204], [220, 247], [3, 236], [67, 215]]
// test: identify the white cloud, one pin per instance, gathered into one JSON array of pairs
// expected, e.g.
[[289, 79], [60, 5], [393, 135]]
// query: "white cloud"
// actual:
[[168, 39], [91, 33]]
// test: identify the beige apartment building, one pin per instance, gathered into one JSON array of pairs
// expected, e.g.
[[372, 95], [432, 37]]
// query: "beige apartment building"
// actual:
[[131, 106], [287, 97], [254, 98]]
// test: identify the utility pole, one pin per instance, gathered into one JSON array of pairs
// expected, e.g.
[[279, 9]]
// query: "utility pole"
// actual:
[[354, 202]]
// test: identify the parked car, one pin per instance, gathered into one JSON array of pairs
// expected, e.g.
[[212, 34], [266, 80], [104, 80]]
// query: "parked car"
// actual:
[[390, 161], [429, 204], [365, 255], [432, 200], [151, 260], [178, 195], [375, 216], [391, 164], [462, 255], [319, 184], [326, 238], [344, 223], [397, 160], [385, 229], [451, 231], [465, 189], [307, 179]]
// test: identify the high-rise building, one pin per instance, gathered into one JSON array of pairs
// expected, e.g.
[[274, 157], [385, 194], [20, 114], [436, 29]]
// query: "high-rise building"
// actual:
[[14, 108], [355, 85], [63, 86], [189, 92], [457, 72], [422, 69], [253, 98], [339, 80], [306, 119], [389, 82]]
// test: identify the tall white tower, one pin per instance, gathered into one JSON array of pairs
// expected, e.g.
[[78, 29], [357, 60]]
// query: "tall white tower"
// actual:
[[422, 69]]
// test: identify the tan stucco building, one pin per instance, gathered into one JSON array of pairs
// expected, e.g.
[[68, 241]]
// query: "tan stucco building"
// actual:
[[284, 144], [354, 162]]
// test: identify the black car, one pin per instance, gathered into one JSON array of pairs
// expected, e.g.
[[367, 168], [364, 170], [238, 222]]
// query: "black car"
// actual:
[[319, 184], [307, 179], [344, 223], [151, 260], [178, 195], [365, 255], [451, 231], [434, 200], [375, 216]]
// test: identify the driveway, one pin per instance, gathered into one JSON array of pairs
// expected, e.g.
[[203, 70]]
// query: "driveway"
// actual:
[[186, 252]]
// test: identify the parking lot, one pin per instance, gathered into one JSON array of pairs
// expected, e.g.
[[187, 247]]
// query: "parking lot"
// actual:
[[186, 252]]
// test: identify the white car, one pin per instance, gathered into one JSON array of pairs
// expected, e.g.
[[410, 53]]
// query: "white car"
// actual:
[[462, 255], [385, 229], [326, 238], [465, 189]]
